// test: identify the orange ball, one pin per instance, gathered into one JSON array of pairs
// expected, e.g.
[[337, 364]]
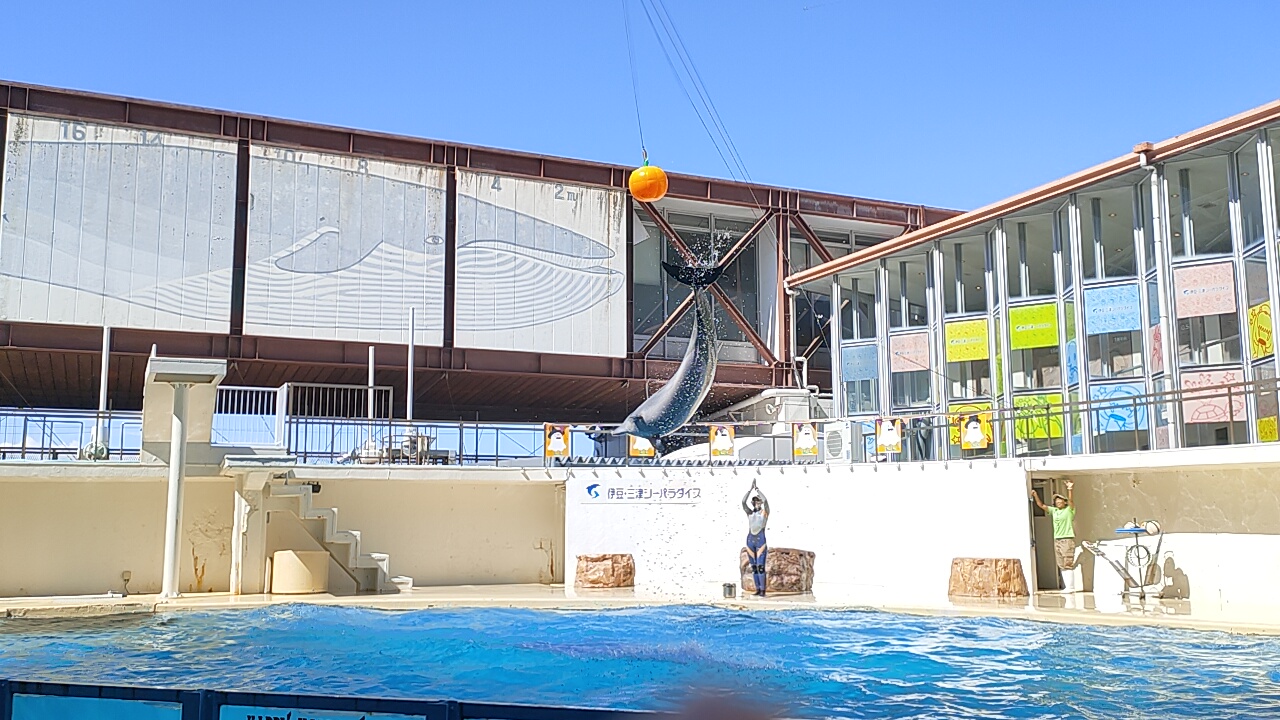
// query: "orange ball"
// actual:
[[648, 183]]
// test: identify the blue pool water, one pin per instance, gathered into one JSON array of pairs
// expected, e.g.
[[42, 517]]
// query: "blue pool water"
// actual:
[[811, 664]]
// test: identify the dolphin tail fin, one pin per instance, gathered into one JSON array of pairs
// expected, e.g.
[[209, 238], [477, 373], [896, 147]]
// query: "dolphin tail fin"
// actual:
[[695, 277]]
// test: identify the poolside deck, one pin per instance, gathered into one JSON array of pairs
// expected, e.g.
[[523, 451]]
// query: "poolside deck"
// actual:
[[1078, 608]]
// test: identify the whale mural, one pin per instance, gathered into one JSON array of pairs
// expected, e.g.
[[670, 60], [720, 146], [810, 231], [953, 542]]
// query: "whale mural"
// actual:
[[675, 403]]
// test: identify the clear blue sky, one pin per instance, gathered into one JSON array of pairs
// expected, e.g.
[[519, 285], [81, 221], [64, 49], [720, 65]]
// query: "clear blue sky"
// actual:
[[953, 104]]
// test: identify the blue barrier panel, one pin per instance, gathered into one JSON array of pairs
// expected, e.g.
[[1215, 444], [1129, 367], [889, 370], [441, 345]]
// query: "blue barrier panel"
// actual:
[[55, 701], [488, 711]]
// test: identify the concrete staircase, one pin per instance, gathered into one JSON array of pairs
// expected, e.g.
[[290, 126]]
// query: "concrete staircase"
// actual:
[[369, 570]]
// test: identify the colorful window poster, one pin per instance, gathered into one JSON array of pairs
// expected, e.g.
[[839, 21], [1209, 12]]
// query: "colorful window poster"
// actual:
[[1157, 350], [964, 432], [858, 362], [1033, 326], [1260, 335], [245, 712], [967, 340], [1202, 290], [720, 442], [1112, 309], [54, 707], [1038, 417], [640, 447], [1215, 404], [888, 435], [556, 440], [1267, 429], [909, 352], [975, 431], [1117, 408], [804, 441]]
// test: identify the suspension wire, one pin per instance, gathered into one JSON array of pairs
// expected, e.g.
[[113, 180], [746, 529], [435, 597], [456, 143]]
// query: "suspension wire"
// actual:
[[635, 81], [680, 81], [699, 86], [669, 34]]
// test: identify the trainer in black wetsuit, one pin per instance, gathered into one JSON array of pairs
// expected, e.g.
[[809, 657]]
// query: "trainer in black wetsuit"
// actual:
[[757, 510]]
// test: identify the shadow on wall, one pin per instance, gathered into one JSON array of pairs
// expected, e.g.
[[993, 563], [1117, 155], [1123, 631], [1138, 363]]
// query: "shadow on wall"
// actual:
[[1231, 500], [1177, 586]]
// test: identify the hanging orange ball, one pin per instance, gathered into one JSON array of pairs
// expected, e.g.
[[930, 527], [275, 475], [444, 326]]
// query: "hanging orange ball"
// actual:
[[648, 183]]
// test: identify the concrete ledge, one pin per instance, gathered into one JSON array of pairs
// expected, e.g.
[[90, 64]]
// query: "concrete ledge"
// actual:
[[1041, 608]]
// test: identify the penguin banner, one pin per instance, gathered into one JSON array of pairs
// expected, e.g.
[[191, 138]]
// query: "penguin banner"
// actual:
[[975, 430], [721, 441], [804, 441], [639, 447], [888, 435], [555, 441]]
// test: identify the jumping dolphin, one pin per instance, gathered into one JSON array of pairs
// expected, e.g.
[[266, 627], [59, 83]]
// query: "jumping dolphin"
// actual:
[[675, 402]]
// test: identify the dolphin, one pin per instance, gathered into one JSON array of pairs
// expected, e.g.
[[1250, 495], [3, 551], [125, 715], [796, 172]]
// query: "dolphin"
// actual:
[[674, 403]]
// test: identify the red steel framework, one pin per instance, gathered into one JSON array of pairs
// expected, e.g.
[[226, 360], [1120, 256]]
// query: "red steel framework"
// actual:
[[455, 382]]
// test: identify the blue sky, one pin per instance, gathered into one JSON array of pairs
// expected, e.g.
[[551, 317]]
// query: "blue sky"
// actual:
[[952, 104]]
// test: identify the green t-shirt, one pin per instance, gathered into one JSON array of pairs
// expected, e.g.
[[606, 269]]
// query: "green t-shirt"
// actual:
[[1063, 522]]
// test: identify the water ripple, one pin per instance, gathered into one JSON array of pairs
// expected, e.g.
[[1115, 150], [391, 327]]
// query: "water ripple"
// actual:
[[814, 664]]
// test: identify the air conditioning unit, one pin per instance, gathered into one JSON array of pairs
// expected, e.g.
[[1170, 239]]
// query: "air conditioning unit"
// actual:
[[838, 442]]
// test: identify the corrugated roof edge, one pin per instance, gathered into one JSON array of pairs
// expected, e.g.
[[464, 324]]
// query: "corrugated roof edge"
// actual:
[[1207, 135]]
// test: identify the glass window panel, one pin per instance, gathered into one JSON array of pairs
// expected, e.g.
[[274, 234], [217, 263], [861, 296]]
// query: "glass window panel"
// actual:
[[1258, 314], [911, 389], [861, 396], [648, 305], [1115, 355], [1198, 208], [1209, 340], [813, 309], [740, 281], [1088, 247], [1268, 410], [969, 255], [895, 293], [969, 380], [1029, 243], [907, 281], [1012, 261], [1036, 368], [1064, 242], [858, 307], [1106, 230], [1250, 193], [952, 257], [1273, 140], [1145, 222]]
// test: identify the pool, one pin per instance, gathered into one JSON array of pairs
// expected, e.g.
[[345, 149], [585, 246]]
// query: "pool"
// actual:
[[812, 664]]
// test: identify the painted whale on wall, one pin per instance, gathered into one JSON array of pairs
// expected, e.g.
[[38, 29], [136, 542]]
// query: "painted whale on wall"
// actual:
[[675, 403]]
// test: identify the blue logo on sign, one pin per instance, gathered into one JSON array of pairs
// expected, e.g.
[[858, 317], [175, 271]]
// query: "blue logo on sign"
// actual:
[[591, 490]]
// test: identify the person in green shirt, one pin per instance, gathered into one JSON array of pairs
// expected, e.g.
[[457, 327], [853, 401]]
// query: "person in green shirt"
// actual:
[[1063, 514]]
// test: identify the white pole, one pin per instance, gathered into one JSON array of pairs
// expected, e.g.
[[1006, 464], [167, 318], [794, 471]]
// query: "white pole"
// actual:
[[370, 393], [173, 510], [102, 385], [408, 405]]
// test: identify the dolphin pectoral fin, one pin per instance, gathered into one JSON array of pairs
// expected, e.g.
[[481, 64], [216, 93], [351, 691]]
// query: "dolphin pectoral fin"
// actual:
[[693, 276]]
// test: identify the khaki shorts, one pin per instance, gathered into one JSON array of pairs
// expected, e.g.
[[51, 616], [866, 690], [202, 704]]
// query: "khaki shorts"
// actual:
[[1064, 549]]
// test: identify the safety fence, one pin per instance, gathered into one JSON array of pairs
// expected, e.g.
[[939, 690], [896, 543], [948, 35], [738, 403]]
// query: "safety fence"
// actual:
[[21, 700], [69, 434], [323, 424]]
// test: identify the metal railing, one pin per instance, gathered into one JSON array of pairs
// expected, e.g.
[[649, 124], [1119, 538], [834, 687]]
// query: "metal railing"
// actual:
[[1118, 423], [21, 700], [69, 434], [353, 424]]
